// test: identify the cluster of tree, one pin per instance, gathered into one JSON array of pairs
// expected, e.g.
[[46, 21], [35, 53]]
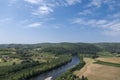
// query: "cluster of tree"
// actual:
[[55, 50], [71, 48], [107, 63], [24, 71], [6, 70], [84, 78], [109, 47]]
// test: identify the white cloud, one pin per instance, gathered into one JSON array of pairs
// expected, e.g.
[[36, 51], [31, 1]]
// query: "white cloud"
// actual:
[[117, 15], [57, 26], [112, 4], [72, 2], [5, 20], [91, 22], [44, 7], [114, 25], [12, 2], [34, 25], [53, 2], [47, 6], [43, 10], [106, 25], [85, 12], [96, 3], [34, 1]]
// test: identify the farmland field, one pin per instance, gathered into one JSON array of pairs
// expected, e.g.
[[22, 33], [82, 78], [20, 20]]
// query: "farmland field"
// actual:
[[111, 59], [99, 72]]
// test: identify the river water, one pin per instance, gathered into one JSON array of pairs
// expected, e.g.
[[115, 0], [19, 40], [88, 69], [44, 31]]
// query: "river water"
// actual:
[[53, 74]]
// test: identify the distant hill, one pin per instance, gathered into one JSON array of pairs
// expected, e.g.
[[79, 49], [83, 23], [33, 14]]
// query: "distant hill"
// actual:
[[110, 47], [70, 47]]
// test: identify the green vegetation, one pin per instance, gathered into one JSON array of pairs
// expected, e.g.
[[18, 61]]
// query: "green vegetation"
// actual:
[[109, 47], [23, 71], [107, 63], [22, 61], [106, 54], [69, 74]]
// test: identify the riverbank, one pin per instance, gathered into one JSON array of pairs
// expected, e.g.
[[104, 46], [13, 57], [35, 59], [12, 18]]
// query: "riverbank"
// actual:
[[29, 72], [53, 74], [69, 74]]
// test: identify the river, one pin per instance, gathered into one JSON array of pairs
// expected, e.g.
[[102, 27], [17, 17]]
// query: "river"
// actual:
[[53, 74]]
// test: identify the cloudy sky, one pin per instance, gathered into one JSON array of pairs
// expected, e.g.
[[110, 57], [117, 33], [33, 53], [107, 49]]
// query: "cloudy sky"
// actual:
[[36, 21]]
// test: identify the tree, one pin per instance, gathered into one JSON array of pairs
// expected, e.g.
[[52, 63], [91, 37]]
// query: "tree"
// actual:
[[14, 63], [83, 78]]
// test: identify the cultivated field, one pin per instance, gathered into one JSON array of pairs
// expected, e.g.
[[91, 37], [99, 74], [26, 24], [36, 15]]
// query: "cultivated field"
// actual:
[[112, 59], [99, 72]]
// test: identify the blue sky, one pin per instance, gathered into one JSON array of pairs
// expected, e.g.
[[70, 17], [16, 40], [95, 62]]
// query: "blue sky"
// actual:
[[37, 21]]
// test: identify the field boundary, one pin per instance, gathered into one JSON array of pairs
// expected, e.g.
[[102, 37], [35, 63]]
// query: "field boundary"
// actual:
[[107, 63]]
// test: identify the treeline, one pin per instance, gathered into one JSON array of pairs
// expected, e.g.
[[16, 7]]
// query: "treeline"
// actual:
[[72, 47], [69, 74], [107, 63], [58, 47], [109, 47], [25, 71], [6, 70]]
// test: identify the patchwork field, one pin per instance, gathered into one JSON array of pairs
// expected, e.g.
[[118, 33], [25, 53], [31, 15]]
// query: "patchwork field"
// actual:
[[99, 72]]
